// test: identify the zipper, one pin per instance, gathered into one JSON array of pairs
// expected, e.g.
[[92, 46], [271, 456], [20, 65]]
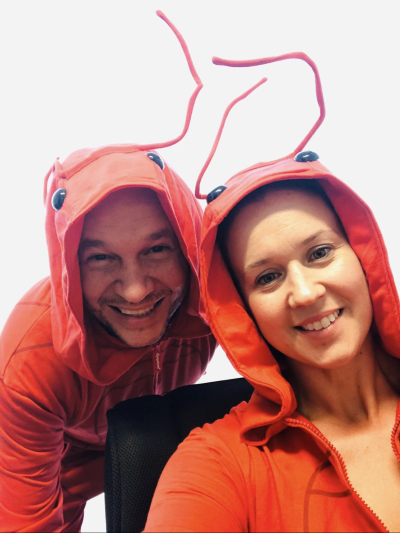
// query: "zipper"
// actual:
[[396, 425], [341, 460], [157, 367]]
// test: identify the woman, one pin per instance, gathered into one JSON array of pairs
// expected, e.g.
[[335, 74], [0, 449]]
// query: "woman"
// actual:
[[300, 296]]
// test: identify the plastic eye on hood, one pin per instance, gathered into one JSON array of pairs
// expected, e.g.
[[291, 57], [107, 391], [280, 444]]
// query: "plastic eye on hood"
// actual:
[[157, 159], [305, 157], [58, 199], [215, 193]]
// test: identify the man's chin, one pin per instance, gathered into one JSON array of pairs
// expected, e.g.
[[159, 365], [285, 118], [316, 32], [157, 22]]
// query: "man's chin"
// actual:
[[141, 340], [135, 339]]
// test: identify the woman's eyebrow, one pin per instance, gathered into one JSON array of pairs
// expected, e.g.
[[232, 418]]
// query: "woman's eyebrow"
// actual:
[[256, 264], [317, 234]]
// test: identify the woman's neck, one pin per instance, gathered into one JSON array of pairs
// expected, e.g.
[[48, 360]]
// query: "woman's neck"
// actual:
[[356, 393]]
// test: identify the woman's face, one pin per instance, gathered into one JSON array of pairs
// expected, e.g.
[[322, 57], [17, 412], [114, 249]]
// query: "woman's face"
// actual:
[[300, 278]]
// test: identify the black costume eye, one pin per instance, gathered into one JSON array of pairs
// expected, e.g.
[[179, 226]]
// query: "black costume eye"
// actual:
[[215, 193], [305, 157], [157, 159], [58, 199]]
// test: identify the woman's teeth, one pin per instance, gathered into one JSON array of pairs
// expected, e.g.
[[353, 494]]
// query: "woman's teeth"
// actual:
[[324, 323]]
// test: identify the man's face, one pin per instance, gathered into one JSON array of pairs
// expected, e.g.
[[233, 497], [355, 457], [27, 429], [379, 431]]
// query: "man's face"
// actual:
[[134, 275]]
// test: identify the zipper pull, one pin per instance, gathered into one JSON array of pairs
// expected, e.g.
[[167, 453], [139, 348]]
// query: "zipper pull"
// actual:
[[157, 367]]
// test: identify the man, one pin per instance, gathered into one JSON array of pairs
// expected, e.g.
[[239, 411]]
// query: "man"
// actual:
[[119, 317]]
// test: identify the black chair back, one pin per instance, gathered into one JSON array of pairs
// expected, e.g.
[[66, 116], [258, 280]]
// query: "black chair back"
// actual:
[[144, 432]]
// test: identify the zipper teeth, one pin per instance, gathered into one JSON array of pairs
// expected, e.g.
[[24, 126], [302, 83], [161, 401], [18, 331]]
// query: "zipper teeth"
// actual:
[[393, 436], [155, 378], [342, 463]]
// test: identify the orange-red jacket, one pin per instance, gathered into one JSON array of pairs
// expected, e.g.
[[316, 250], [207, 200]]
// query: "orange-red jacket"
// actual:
[[264, 467], [59, 370]]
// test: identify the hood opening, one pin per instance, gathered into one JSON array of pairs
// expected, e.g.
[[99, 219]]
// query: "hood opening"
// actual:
[[243, 343]]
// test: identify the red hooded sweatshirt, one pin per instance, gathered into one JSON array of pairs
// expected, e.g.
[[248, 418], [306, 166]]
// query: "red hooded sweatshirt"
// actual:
[[264, 467], [60, 371]]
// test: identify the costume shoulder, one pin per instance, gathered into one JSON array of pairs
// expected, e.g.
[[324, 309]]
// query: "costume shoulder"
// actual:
[[28, 363], [19, 332], [204, 486]]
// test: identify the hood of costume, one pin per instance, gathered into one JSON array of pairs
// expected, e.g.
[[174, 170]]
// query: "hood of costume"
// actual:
[[86, 178], [231, 323], [60, 371]]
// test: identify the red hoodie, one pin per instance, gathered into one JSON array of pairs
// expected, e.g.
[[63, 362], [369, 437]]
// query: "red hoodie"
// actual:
[[60, 371], [264, 467]]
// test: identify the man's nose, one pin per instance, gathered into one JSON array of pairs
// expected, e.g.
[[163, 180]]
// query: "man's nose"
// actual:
[[134, 283], [305, 284]]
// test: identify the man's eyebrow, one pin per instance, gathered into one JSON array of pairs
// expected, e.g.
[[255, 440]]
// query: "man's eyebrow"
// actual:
[[160, 234], [97, 243], [90, 243], [265, 261]]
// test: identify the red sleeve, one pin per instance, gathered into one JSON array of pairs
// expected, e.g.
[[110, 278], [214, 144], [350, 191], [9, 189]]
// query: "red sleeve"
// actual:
[[31, 445], [201, 489]]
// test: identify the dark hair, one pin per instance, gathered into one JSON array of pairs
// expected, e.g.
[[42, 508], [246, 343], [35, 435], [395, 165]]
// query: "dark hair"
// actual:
[[310, 186]]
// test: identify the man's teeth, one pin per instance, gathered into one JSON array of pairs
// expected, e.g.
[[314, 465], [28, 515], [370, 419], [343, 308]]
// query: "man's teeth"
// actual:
[[325, 322], [142, 312]]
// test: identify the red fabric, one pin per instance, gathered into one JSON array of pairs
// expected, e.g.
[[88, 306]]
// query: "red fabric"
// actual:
[[60, 371], [264, 467]]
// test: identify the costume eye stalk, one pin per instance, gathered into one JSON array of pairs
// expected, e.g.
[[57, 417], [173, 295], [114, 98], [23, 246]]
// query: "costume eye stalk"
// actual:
[[157, 159], [58, 199]]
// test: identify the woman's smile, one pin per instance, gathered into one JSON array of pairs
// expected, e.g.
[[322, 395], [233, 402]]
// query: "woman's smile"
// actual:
[[318, 323]]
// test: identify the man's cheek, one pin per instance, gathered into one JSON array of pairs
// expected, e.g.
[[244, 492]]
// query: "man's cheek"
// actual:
[[92, 285]]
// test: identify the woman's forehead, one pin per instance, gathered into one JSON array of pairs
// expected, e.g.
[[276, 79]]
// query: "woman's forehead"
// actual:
[[276, 211]]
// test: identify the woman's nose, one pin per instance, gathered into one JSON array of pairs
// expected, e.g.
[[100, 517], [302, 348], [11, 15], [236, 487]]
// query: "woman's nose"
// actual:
[[305, 286], [134, 284]]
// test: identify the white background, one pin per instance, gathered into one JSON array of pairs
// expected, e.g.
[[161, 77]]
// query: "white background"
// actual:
[[86, 73]]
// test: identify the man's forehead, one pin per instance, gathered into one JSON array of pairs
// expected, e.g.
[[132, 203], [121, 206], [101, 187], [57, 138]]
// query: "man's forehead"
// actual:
[[87, 242], [127, 212]]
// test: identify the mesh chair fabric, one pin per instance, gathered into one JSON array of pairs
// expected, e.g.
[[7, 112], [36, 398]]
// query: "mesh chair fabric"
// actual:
[[144, 432]]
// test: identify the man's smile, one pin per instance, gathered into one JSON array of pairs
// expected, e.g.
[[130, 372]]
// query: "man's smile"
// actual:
[[138, 313]]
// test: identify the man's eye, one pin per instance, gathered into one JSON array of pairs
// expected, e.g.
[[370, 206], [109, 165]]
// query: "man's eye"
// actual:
[[98, 257], [267, 279], [158, 249], [320, 253]]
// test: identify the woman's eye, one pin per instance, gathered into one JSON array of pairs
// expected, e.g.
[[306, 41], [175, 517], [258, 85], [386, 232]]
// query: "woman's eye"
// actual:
[[267, 279], [320, 253]]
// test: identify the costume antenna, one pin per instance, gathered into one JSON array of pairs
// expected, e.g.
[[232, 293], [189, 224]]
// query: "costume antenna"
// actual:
[[253, 63], [192, 98]]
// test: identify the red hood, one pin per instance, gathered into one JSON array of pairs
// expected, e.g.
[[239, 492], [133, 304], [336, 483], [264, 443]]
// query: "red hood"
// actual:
[[88, 176], [228, 318]]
